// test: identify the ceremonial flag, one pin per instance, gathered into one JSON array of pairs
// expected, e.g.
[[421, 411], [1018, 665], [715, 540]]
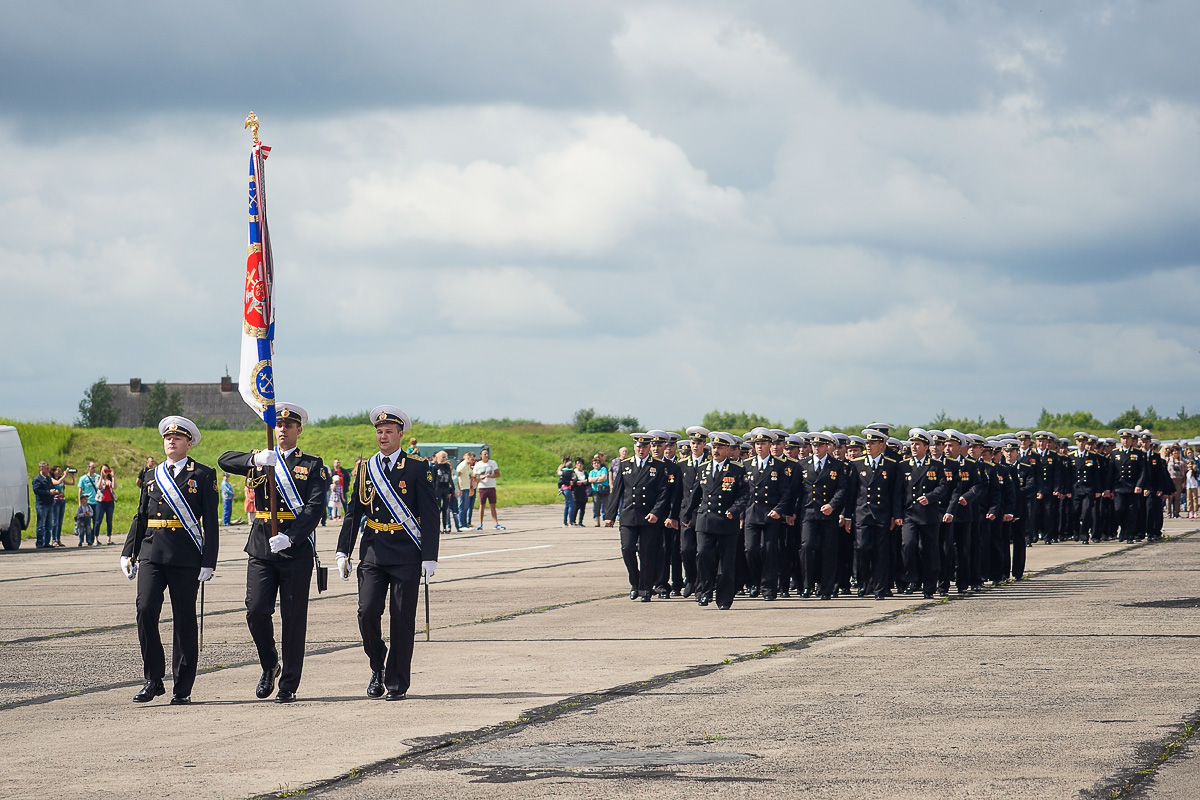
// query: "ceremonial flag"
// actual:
[[256, 381]]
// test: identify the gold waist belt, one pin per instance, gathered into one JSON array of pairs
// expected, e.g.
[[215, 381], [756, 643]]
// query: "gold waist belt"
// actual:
[[163, 523], [279, 515], [384, 526]]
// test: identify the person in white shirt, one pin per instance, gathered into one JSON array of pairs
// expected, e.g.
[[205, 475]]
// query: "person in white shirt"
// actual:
[[487, 471]]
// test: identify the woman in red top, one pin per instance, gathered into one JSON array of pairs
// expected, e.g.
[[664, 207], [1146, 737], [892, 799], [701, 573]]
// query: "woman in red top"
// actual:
[[107, 499]]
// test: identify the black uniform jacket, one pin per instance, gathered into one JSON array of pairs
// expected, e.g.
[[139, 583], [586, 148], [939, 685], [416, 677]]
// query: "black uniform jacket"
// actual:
[[1006, 475], [639, 492], [926, 480], [1128, 470], [175, 546], [308, 473], [413, 482], [876, 495], [717, 492], [674, 488], [820, 487], [1047, 472], [969, 483], [689, 470], [770, 488], [1091, 472]]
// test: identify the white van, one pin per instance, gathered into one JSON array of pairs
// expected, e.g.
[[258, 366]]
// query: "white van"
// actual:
[[14, 489]]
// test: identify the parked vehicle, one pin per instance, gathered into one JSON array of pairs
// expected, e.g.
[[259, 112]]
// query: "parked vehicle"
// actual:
[[14, 489]]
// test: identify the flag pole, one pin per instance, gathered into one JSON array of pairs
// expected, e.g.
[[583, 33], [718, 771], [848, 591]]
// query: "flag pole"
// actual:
[[252, 123]]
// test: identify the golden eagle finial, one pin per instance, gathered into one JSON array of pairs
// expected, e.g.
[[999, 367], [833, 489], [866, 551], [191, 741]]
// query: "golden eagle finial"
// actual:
[[252, 124]]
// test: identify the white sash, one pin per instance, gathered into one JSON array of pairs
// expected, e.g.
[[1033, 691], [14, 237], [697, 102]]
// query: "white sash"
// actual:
[[178, 504], [290, 494], [287, 486], [391, 500]]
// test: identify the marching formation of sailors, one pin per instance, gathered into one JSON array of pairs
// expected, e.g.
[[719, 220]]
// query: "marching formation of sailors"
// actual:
[[773, 513], [172, 546]]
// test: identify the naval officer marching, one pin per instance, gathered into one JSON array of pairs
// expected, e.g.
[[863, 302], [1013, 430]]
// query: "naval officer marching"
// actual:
[[281, 564], [394, 492], [172, 544]]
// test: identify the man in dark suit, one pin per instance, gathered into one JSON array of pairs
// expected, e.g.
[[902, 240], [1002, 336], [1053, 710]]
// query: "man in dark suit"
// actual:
[[823, 496], [672, 561], [281, 560], [790, 573], [923, 488], [640, 491], [874, 498], [393, 491], [1047, 486], [770, 483], [689, 469], [968, 490], [1129, 485], [1089, 472], [716, 503], [172, 545]]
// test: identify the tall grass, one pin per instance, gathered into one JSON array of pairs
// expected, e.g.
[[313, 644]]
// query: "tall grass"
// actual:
[[528, 453]]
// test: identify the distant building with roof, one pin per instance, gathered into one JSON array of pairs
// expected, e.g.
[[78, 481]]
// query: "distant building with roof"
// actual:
[[203, 403]]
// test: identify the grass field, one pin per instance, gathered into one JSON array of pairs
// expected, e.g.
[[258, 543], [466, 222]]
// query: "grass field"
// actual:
[[528, 454]]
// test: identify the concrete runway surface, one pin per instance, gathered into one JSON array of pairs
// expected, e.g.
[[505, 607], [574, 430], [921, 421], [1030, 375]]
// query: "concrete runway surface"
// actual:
[[542, 679]]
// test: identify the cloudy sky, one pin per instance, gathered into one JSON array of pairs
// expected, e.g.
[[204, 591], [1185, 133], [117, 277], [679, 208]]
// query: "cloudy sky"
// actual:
[[841, 211]]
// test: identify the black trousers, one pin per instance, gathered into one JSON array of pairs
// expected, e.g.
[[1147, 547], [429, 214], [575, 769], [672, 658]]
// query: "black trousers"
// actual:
[[398, 585], [670, 573], [1086, 507], [872, 557], [789, 558], [687, 555], [642, 544], [981, 531], [762, 553], [818, 539], [1154, 516], [948, 555], [716, 558], [1129, 511], [1045, 517], [964, 543], [922, 555], [1016, 533], [184, 583], [289, 580]]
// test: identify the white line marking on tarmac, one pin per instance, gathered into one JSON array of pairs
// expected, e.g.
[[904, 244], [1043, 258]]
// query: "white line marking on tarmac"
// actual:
[[505, 550]]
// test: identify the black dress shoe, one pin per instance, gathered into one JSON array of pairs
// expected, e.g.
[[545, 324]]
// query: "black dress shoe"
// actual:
[[151, 690], [396, 694], [723, 606], [633, 594], [702, 600], [688, 589], [664, 595], [674, 593], [768, 596], [825, 597], [806, 593], [375, 687], [862, 592], [754, 591], [645, 598], [928, 595], [285, 696], [176, 700], [266, 684], [784, 593]]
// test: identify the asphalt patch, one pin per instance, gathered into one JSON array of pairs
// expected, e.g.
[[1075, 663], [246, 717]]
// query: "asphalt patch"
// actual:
[[569, 757]]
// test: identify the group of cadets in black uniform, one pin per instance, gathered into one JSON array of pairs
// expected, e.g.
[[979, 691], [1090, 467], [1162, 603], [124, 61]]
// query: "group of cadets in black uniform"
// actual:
[[162, 555], [822, 514]]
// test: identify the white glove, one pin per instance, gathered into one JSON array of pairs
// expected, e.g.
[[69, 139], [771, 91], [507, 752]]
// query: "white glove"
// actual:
[[280, 542], [343, 565], [205, 573], [266, 458], [128, 567], [428, 568]]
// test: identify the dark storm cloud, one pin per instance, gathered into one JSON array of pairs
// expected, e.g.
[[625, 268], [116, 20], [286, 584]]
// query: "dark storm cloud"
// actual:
[[81, 58]]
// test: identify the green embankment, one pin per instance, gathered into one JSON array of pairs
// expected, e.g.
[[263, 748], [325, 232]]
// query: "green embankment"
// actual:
[[528, 454]]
